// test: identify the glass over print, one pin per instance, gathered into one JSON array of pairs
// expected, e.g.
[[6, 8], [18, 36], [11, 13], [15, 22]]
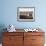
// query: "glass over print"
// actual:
[[26, 14]]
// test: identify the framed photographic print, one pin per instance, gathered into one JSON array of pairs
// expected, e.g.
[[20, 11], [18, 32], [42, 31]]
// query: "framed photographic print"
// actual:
[[26, 14]]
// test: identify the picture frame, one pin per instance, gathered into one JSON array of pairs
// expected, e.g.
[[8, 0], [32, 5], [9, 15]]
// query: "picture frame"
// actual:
[[26, 14]]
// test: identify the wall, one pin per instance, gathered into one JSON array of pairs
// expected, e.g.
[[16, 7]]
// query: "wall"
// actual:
[[9, 13]]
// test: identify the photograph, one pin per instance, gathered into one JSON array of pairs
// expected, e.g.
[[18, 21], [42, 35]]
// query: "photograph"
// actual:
[[26, 14]]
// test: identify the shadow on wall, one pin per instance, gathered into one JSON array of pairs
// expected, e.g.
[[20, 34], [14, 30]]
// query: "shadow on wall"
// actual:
[[2, 26]]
